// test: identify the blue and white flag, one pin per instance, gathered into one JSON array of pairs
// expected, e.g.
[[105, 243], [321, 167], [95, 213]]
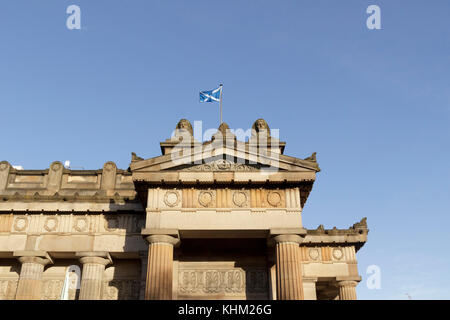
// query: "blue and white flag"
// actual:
[[211, 95]]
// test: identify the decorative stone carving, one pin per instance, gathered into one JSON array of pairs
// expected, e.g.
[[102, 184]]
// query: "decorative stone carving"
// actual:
[[222, 165], [261, 126], [109, 166], [121, 289], [21, 223], [56, 166], [135, 157], [172, 198], [313, 157], [222, 281], [80, 224], [338, 254], [3, 166], [51, 224], [274, 198], [70, 223], [184, 124], [8, 289], [206, 198], [51, 289], [314, 254], [240, 198]]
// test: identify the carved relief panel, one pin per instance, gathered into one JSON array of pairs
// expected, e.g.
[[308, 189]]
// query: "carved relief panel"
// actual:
[[122, 280], [75, 223], [223, 282], [176, 199], [8, 289], [328, 254]]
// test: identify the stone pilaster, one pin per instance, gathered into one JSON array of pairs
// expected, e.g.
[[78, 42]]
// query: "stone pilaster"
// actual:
[[143, 255], [347, 290], [30, 280], [92, 274], [289, 268], [309, 288], [160, 267]]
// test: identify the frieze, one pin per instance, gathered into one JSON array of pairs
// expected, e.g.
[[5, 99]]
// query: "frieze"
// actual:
[[222, 281], [73, 223], [223, 165], [169, 199]]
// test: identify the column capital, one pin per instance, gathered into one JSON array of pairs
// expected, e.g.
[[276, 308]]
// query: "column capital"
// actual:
[[347, 283], [163, 238], [36, 260], [94, 257], [285, 238], [38, 257]]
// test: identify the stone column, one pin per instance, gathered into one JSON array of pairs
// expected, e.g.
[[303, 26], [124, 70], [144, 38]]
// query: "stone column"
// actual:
[[289, 268], [92, 275], [160, 267], [30, 280], [347, 290]]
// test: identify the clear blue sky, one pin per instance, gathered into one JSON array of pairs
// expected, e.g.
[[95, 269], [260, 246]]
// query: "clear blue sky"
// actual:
[[374, 104]]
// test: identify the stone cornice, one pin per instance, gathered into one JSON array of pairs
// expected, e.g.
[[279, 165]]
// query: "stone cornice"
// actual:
[[356, 235]]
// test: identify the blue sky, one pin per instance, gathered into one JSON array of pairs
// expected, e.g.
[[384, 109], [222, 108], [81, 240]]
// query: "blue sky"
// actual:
[[373, 104]]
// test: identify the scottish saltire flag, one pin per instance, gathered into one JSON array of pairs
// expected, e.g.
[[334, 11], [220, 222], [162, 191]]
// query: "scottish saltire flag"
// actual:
[[211, 95]]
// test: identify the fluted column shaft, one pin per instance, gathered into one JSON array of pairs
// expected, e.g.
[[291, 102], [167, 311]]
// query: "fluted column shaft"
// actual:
[[30, 280], [347, 290], [289, 269], [92, 277], [160, 267]]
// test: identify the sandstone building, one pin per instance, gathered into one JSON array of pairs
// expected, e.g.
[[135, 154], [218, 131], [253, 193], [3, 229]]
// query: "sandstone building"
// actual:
[[220, 219]]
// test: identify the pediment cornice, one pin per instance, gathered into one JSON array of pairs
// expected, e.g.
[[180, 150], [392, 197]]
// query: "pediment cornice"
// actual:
[[224, 159]]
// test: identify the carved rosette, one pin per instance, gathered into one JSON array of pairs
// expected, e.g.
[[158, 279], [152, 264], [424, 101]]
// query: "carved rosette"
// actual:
[[274, 198], [314, 254], [207, 198], [21, 223], [338, 254], [51, 224], [240, 198], [81, 224], [172, 198]]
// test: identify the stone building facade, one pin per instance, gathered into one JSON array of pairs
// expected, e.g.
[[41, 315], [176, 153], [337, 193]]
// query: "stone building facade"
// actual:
[[220, 219]]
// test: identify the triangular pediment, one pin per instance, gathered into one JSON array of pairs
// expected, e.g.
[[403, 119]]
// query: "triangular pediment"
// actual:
[[224, 159]]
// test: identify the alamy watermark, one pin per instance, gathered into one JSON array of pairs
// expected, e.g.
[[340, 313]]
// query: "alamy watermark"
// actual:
[[74, 19], [374, 20], [72, 281], [374, 279]]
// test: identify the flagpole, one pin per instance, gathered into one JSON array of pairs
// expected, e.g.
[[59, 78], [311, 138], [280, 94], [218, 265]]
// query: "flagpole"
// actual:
[[220, 98]]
